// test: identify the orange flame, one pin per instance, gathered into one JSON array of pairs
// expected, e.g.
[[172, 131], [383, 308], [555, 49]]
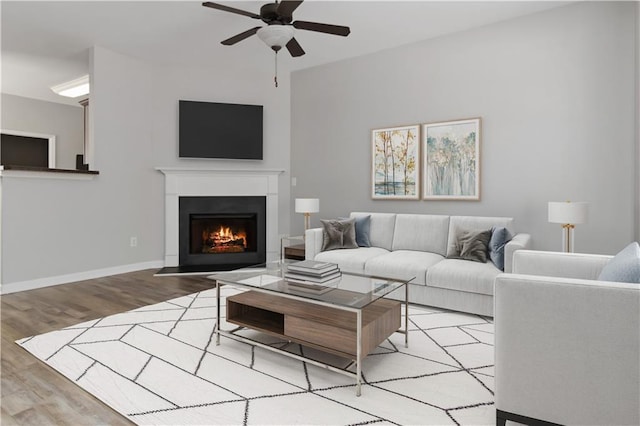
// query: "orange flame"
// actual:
[[225, 235]]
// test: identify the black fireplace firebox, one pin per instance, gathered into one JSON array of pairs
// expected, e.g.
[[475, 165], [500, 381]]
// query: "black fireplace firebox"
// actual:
[[222, 233]]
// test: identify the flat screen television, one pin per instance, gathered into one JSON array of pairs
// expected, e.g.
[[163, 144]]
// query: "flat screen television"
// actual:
[[219, 130]]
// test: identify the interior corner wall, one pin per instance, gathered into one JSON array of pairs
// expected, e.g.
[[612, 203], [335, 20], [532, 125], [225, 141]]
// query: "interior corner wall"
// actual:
[[63, 228], [122, 116], [66, 122], [637, 92], [230, 83], [555, 91], [58, 227]]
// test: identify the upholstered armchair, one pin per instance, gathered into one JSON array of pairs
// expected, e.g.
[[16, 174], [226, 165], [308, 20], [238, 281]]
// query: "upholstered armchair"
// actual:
[[566, 345]]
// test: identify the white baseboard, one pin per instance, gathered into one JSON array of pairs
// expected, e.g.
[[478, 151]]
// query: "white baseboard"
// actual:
[[78, 276]]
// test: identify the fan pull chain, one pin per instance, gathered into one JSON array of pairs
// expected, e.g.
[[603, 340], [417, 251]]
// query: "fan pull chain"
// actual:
[[275, 77]]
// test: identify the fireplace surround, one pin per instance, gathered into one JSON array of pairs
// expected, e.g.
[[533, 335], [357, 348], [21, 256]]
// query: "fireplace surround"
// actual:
[[181, 182]]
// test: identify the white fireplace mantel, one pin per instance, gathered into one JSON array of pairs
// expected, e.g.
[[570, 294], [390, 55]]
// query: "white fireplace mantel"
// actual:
[[213, 182]]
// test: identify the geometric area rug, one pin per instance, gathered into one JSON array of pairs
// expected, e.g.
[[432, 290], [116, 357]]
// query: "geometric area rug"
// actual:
[[159, 365]]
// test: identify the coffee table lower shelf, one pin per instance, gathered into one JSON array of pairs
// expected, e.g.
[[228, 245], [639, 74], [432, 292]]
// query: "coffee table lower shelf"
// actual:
[[346, 332]]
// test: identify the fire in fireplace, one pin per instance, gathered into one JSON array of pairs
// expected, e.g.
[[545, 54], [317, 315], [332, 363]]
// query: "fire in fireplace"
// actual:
[[223, 240], [213, 234]]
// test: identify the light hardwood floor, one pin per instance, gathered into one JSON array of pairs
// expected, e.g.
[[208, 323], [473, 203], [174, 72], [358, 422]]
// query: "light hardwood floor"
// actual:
[[35, 394]]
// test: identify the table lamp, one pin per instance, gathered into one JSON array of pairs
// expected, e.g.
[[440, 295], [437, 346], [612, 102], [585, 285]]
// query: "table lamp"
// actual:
[[307, 206], [568, 214]]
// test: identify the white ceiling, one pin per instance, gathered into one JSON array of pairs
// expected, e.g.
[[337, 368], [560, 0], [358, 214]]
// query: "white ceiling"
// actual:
[[46, 43]]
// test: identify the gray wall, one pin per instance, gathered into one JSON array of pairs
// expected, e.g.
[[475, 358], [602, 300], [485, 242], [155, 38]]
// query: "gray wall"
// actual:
[[637, 92], [66, 122], [252, 85], [53, 227], [56, 227], [555, 91]]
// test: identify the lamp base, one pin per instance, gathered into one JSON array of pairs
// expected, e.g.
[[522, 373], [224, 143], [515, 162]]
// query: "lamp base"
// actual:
[[307, 221], [567, 237]]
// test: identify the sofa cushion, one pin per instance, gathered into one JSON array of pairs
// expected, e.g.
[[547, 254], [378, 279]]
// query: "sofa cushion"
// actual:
[[474, 223], [456, 274], [351, 260], [403, 264], [338, 234], [624, 267], [421, 232], [381, 228]]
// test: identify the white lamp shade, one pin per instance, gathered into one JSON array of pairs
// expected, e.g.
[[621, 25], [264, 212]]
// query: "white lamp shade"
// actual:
[[568, 212], [276, 35], [307, 205]]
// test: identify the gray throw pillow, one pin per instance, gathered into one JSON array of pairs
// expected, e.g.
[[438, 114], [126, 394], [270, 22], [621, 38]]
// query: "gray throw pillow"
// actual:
[[499, 238], [363, 227], [471, 245], [624, 267], [338, 234]]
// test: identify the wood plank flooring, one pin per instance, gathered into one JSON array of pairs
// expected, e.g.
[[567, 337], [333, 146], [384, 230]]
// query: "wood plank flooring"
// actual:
[[32, 393]]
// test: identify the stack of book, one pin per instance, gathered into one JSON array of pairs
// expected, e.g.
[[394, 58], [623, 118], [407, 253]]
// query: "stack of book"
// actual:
[[312, 272]]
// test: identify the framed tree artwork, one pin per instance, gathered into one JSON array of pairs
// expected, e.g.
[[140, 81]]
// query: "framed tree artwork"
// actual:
[[451, 160], [394, 163]]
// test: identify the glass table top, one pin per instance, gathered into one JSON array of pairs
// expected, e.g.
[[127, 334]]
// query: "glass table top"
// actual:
[[350, 290]]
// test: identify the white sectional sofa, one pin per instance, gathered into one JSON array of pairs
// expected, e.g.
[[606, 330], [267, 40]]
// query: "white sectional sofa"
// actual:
[[567, 345], [416, 245]]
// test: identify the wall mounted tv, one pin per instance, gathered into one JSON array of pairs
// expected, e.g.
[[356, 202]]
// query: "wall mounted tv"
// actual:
[[218, 130]]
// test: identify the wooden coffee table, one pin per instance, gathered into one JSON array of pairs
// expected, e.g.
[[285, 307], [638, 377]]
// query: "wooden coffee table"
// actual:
[[349, 318]]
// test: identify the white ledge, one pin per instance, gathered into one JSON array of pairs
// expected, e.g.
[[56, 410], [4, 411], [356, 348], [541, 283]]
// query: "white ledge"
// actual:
[[199, 170]]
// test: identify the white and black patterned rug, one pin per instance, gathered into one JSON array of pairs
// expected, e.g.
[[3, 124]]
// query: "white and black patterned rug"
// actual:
[[159, 365]]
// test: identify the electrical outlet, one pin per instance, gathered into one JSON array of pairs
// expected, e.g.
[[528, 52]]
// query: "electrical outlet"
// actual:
[[133, 241], [294, 181]]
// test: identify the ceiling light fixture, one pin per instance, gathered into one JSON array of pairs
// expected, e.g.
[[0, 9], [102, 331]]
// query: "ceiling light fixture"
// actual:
[[276, 37], [73, 88]]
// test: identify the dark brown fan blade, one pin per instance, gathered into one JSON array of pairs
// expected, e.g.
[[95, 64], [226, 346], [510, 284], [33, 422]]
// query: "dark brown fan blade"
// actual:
[[322, 28], [230, 9], [239, 37], [294, 48], [287, 7]]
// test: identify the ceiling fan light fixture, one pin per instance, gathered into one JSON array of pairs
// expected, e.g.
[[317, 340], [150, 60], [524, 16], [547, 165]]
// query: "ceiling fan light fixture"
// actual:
[[73, 88], [276, 36]]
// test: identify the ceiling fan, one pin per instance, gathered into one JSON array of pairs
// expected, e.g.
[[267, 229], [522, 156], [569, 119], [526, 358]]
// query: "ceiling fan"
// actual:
[[279, 30]]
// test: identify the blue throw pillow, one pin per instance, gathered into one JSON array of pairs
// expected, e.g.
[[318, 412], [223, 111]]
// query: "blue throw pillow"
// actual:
[[363, 225], [624, 267], [499, 238]]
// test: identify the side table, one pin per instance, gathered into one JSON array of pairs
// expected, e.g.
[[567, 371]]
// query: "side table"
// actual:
[[295, 252], [292, 248]]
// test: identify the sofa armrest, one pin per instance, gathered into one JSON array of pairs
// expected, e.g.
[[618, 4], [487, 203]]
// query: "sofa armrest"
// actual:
[[567, 350], [518, 242], [558, 264], [312, 243]]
